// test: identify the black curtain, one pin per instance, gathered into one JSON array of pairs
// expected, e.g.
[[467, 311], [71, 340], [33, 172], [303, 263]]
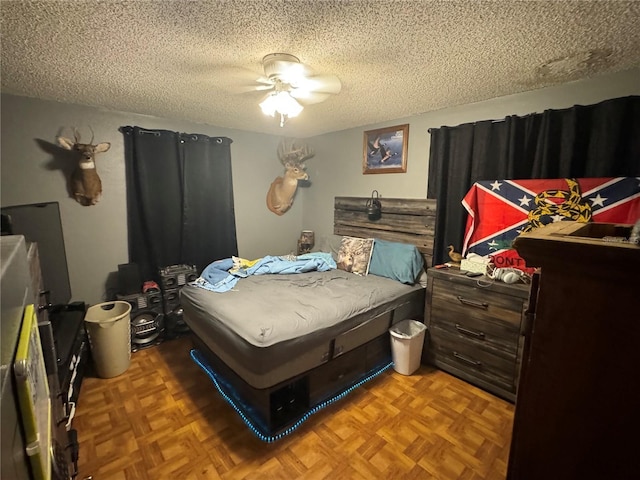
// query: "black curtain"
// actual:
[[179, 199], [601, 140]]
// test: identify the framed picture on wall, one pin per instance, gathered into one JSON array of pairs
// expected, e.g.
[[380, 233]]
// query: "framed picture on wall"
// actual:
[[385, 150]]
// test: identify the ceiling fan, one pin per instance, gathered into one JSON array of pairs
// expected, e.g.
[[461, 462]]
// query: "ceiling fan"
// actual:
[[292, 86]]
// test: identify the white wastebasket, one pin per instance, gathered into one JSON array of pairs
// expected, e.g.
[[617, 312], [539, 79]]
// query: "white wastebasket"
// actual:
[[407, 340], [109, 329]]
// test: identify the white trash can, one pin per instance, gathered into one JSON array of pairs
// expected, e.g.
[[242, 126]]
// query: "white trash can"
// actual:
[[109, 330], [407, 340]]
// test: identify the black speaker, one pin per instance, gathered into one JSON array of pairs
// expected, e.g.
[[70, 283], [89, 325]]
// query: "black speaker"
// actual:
[[172, 279], [176, 276], [154, 301], [147, 319], [175, 324], [171, 300], [129, 280]]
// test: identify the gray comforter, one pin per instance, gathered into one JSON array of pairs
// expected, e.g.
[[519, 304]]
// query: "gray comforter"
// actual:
[[268, 309]]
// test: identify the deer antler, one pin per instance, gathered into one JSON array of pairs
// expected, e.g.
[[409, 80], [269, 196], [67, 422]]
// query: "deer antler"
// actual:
[[76, 135], [294, 151]]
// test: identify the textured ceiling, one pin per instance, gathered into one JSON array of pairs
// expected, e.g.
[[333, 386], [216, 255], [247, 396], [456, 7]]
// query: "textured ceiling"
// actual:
[[188, 59]]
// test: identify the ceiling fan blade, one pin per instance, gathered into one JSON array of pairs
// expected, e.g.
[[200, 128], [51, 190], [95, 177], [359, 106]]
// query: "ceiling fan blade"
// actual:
[[264, 80], [320, 84], [262, 84], [238, 89], [309, 98]]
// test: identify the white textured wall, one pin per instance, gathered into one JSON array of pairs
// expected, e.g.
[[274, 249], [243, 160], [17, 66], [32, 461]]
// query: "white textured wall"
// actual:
[[337, 168], [96, 237]]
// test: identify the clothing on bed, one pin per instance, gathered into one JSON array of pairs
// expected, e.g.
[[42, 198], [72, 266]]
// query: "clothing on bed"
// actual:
[[216, 277], [222, 275]]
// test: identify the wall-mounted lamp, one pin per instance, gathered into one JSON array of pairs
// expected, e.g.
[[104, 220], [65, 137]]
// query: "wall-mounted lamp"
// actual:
[[374, 208]]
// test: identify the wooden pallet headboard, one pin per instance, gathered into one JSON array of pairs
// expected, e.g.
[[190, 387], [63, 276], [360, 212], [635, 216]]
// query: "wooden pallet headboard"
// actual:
[[405, 220]]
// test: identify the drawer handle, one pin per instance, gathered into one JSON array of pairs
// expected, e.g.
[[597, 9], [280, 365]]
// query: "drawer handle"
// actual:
[[469, 332], [475, 363], [472, 303]]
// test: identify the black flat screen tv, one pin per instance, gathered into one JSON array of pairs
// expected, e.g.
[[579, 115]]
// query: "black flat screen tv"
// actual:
[[41, 223]]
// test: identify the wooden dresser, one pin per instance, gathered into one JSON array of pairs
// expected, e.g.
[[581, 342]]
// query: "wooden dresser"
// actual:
[[577, 414], [475, 329]]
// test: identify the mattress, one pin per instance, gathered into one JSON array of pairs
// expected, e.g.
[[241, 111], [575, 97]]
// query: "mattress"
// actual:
[[273, 327]]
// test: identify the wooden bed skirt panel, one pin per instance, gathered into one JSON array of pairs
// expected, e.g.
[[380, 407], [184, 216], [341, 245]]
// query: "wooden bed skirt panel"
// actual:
[[404, 220]]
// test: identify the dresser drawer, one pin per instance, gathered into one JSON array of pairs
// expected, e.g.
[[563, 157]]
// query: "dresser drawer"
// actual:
[[471, 361], [497, 314], [459, 313], [479, 335]]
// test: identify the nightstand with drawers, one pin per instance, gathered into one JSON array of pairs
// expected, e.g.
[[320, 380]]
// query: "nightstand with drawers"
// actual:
[[475, 328]]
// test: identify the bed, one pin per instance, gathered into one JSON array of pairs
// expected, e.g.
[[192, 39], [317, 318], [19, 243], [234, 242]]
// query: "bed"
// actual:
[[280, 347]]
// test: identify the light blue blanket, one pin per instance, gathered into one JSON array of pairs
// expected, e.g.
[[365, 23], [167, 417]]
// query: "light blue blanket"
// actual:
[[217, 277]]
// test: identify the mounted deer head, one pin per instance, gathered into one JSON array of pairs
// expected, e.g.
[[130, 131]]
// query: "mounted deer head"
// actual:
[[85, 182], [292, 154]]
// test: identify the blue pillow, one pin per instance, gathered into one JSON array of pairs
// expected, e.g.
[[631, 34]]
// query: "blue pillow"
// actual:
[[399, 261]]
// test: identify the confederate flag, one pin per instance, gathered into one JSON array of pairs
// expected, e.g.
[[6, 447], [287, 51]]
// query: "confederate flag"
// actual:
[[500, 210]]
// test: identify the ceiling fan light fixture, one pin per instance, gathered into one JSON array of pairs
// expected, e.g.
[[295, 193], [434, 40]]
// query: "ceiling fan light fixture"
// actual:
[[292, 81], [283, 103], [268, 105]]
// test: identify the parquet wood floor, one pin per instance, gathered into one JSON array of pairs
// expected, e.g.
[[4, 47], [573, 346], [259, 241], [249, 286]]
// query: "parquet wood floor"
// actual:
[[163, 418]]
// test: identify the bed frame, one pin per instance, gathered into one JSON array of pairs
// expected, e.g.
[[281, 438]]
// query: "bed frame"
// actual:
[[276, 409]]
